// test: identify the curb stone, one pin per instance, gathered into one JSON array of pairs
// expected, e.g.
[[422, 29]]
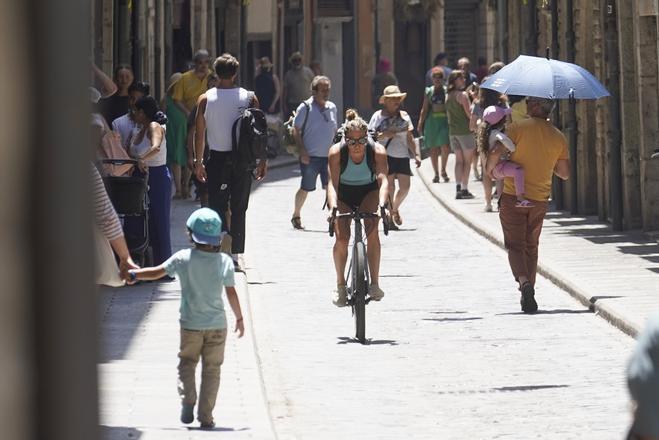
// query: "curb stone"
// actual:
[[606, 312]]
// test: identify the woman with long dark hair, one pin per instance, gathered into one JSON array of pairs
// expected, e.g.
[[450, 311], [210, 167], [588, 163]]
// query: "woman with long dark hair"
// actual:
[[149, 147]]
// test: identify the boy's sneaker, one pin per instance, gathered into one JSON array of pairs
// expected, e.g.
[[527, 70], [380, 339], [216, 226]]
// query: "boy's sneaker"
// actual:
[[207, 425], [527, 301], [187, 413], [458, 195], [375, 293], [340, 296], [467, 195]]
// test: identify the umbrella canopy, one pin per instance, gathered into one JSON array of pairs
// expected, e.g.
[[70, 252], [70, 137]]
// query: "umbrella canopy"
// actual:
[[545, 78]]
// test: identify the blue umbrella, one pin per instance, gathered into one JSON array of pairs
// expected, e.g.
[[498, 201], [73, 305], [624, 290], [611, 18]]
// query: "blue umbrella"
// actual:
[[545, 78]]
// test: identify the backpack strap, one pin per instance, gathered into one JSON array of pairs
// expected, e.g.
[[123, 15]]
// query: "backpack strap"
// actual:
[[234, 129], [306, 118], [370, 156], [343, 154]]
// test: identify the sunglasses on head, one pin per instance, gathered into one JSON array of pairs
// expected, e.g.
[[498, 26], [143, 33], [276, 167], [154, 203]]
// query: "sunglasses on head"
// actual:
[[361, 141]]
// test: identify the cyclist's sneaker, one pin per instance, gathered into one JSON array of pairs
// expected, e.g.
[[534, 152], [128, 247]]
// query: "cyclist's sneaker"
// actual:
[[340, 296], [375, 292]]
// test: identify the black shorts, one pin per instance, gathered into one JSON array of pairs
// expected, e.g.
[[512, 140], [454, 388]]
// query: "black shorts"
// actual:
[[353, 195], [399, 165]]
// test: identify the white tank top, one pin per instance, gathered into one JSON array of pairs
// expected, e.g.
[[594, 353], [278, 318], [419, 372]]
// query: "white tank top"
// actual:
[[158, 159], [223, 107]]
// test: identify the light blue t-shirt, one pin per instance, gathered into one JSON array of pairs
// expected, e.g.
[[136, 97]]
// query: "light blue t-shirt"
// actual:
[[202, 276], [320, 129]]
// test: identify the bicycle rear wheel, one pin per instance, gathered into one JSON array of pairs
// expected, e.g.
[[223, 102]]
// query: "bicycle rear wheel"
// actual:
[[359, 290]]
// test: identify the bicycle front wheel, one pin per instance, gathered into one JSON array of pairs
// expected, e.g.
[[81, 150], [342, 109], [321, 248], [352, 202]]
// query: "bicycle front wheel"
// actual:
[[359, 289]]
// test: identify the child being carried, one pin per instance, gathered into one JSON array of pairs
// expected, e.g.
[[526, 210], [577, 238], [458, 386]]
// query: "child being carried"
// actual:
[[491, 132]]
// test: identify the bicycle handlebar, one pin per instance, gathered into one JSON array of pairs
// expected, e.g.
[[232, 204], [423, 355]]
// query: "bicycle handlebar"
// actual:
[[355, 214]]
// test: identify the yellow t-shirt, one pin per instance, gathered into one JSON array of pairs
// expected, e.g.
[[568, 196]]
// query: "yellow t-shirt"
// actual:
[[518, 111], [188, 89], [539, 145]]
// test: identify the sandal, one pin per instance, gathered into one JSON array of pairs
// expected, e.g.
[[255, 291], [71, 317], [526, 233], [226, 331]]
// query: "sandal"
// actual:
[[445, 177], [397, 218], [435, 179], [297, 223], [524, 204]]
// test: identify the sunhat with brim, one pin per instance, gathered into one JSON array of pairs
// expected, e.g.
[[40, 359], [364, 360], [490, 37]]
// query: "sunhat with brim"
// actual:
[[392, 92], [205, 227]]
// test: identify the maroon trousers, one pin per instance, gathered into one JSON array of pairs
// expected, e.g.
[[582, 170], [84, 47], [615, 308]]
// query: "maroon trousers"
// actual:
[[521, 233]]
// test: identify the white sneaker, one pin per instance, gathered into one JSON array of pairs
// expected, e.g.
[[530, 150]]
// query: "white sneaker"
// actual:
[[375, 292], [340, 296]]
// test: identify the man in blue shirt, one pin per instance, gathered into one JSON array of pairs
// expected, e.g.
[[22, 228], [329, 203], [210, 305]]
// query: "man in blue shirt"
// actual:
[[315, 126]]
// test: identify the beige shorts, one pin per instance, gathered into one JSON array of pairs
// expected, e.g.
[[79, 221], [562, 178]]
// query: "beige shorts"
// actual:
[[462, 142]]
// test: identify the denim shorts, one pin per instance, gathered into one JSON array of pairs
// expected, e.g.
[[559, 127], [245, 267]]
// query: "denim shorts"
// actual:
[[317, 165]]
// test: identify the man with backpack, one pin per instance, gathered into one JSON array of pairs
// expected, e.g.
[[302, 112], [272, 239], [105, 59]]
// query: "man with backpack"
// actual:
[[315, 126], [229, 117]]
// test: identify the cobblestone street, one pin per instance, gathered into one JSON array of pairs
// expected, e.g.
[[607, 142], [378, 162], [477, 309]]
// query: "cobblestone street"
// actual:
[[451, 356]]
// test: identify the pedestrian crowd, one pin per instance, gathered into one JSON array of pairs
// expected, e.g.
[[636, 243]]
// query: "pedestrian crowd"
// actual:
[[189, 138]]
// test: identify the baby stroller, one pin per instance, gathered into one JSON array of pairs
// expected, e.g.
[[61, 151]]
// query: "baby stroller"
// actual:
[[128, 194]]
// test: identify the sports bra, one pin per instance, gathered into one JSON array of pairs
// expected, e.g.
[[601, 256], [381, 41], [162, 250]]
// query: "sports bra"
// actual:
[[357, 174]]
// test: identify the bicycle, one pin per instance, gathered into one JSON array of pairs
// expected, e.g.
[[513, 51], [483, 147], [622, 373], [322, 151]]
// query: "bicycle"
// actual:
[[358, 273]]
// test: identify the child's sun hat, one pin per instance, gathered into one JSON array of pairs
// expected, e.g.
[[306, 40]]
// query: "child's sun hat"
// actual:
[[205, 227], [494, 114]]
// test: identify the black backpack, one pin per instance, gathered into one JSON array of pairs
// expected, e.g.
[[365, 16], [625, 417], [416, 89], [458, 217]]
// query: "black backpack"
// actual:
[[249, 139], [370, 156]]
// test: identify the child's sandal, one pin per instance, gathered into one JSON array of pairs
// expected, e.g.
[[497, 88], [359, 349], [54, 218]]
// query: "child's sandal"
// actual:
[[524, 204]]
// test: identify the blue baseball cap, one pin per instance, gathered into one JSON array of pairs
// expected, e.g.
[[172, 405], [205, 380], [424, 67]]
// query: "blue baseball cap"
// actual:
[[205, 226]]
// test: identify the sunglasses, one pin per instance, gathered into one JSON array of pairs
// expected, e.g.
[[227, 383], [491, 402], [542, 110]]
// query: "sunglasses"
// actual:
[[361, 141]]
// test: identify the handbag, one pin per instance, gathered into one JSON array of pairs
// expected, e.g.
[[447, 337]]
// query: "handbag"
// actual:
[[106, 268], [289, 127]]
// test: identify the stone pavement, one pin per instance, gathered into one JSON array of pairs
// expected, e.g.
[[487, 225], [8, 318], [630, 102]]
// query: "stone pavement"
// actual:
[[138, 359], [450, 356], [615, 273]]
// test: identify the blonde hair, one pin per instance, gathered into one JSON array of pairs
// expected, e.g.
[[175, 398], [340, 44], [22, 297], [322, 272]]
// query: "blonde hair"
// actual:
[[354, 121]]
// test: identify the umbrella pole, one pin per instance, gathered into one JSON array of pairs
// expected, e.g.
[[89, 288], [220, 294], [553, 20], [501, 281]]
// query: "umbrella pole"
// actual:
[[572, 128]]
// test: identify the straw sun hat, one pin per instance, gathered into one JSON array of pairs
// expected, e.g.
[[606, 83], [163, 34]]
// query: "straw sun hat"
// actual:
[[392, 92]]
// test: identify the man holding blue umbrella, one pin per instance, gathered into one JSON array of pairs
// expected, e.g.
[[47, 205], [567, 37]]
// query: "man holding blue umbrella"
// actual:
[[541, 149]]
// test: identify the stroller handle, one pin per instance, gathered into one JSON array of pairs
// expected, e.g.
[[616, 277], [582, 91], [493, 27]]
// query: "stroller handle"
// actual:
[[119, 161]]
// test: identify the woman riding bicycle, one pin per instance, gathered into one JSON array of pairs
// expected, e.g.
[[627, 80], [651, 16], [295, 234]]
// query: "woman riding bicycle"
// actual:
[[358, 179]]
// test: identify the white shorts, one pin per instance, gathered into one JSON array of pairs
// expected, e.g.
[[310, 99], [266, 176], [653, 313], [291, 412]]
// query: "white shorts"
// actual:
[[462, 142]]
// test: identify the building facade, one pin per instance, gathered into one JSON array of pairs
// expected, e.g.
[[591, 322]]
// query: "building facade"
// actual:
[[611, 139]]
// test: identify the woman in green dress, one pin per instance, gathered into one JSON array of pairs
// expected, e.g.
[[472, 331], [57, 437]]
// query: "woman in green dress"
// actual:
[[177, 132], [433, 123]]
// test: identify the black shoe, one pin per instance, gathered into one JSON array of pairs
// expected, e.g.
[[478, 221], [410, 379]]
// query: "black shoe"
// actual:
[[435, 179], [236, 267], [207, 425], [467, 195], [187, 413], [527, 300], [458, 195]]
